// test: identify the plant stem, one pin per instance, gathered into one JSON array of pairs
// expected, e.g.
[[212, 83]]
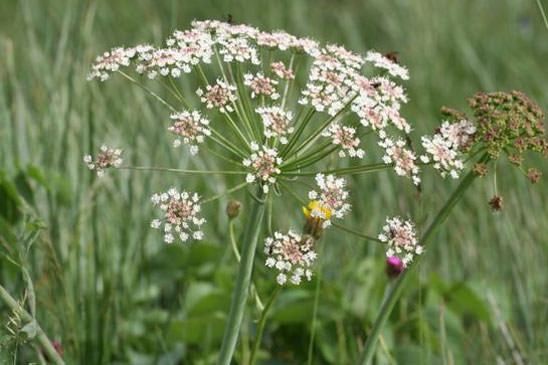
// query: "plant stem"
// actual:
[[228, 191], [315, 310], [40, 334], [243, 280], [262, 322], [182, 171], [345, 171], [541, 8], [234, 245], [391, 299], [356, 233], [152, 93]]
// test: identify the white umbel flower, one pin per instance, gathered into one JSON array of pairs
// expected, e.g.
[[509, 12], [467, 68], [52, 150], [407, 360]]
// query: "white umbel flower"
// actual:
[[400, 238], [108, 157], [345, 138], [292, 255], [263, 163], [191, 128], [219, 96], [277, 122], [390, 66], [331, 198], [261, 85], [180, 218]]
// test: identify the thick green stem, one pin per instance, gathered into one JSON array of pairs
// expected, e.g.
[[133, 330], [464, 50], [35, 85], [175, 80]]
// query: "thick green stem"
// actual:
[[253, 288], [52, 353], [393, 296], [243, 280], [262, 322]]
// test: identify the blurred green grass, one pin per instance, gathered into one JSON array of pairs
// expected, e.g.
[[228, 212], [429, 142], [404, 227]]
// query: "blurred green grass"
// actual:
[[110, 292]]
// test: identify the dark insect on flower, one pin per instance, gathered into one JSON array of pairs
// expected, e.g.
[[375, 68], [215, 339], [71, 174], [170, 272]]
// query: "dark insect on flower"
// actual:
[[392, 56], [229, 19], [496, 203]]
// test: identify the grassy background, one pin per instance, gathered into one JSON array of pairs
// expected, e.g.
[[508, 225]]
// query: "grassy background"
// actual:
[[111, 292]]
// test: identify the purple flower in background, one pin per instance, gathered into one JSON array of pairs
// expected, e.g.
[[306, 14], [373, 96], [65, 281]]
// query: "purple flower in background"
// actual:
[[394, 266]]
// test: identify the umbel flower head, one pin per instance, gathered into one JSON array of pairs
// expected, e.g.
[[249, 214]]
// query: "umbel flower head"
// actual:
[[292, 255], [330, 200], [190, 129], [275, 121], [401, 240], [502, 123], [180, 218], [108, 157]]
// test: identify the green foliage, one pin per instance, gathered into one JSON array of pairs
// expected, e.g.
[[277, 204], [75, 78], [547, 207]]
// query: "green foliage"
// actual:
[[110, 291]]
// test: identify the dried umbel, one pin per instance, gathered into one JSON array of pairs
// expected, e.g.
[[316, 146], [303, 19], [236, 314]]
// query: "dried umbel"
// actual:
[[502, 123]]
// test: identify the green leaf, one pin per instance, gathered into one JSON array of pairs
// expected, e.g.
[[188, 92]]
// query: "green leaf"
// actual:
[[30, 329], [197, 330], [23, 187], [412, 355], [462, 299], [34, 173], [214, 302], [10, 200]]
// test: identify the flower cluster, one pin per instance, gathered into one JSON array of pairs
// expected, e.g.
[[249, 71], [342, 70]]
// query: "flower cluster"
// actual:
[[459, 134], [445, 148], [277, 122], [378, 103], [292, 255], [279, 69], [110, 62], [384, 62], [401, 240], [509, 121], [263, 162], [345, 137], [338, 87], [218, 96], [445, 158], [331, 198], [261, 85], [108, 157], [191, 127], [180, 218], [331, 80], [502, 123], [402, 158]]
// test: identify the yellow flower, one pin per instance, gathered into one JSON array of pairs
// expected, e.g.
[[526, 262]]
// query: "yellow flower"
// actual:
[[325, 212]]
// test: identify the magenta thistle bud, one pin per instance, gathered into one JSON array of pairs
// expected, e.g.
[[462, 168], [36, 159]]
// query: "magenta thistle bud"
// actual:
[[394, 266], [56, 345]]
